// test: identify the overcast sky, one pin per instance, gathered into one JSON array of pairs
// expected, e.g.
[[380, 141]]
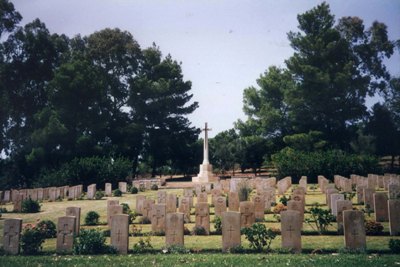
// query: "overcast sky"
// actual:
[[224, 46]]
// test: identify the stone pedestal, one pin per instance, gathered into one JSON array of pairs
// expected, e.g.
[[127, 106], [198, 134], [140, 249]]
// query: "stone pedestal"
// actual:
[[205, 174]]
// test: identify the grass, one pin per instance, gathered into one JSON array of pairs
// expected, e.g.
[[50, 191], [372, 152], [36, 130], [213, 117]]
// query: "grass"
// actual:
[[329, 245]]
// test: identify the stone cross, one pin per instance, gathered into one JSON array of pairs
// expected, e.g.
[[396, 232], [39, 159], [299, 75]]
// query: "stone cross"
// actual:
[[205, 145]]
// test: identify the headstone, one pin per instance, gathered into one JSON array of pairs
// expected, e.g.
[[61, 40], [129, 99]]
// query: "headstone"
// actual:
[[203, 216], [109, 204], [65, 234], [91, 191], [108, 189], [122, 186], [162, 197], [18, 202], [147, 207], [11, 235], [75, 212], [113, 210], [291, 230], [214, 194], [184, 207], [328, 194], [140, 203], [230, 230], [381, 207], [301, 199], [303, 182], [394, 191], [202, 197], [360, 193], [52, 193], [334, 199], [297, 206], [120, 233], [7, 195], [40, 194], [233, 201], [259, 207], [247, 217], [158, 217], [354, 229], [174, 229], [171, 203], [369, 198], [341, 206], [394, 216], [220, 206]]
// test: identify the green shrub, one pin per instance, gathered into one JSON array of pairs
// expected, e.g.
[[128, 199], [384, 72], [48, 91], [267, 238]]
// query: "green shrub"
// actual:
[[199, 230], [244, 191], [373, 228], [284, 200], [394, 245], [290, 162], [91, 241], [320, 218], [237, 250], [259, 236], [134, 190], [99, 195], [176, 249], [142, 245], [48, 228], [117, 193], [218, 225], [127, 210], [154, 187], [92, 218], [142, 188], [145, 220], [30, 206], [32, 239]]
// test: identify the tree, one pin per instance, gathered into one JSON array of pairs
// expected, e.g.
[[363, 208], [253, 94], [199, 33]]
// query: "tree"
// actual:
[[9, 18], [224, 150]]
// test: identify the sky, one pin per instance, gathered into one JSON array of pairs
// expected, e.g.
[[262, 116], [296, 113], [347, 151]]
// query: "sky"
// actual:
[[224, 46]]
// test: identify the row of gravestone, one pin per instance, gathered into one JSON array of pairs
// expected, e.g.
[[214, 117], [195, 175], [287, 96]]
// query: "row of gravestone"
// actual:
[[67, 230]]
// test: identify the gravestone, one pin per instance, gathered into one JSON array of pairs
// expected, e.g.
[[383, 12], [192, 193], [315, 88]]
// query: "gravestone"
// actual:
[[75, 212], [341, 206], [230, 230], [120, 233], [369, 198], [140, 204], [11, 235], [297, 206], [354, 230], [189, 194], [202, 197], [301, 199], [394, 191], [108, 189], [214, 194], [53, 193], [171, 203], [360, 193], [147, 207], [259, 207], [394, 216], [381, 207], [291, 230], [174, 229], [203, 216], [158, 216], [303, 182], [334, 199], [109, 204], [247, 217], [6, 197], [162, 197], [113, 210], [184, 207], [65, 234], [18, 202], [328, 193], [233, 201], [91, 191], [122, 186], [220, 206], [40, 194]]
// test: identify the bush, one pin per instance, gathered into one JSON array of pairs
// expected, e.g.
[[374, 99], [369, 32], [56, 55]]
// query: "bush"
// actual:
[[134, 190], [199, 230], [99, 195], [32, 239], [154, 187], [394, 245], [92, 218], [284, 200], [176, 249], [290, 162], [145, 220], [259, 236], [91, 242], [373, 228], [48, 228], [244, 191], [142, 245], [117, 193], [30, 206], [218, 225], [127, 210], [320, 218], [279, 208], [142, 188]]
